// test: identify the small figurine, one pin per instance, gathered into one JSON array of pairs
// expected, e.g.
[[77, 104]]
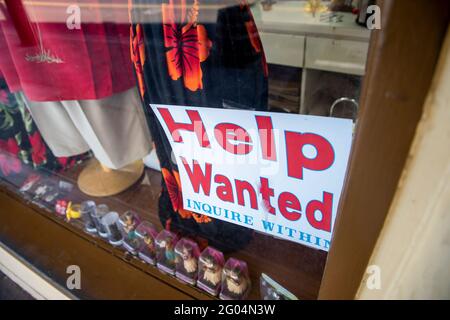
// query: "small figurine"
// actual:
[[148, 251], [210, 270], [100, 212], [87, 210], [147, 232], [187, 253], [111, 225], [235, 280], [30, 182], [132, 244], [129, 221], [61, 207], [51, 196], [170, 251], [48, 192], [165, 251], [65, 187], [73, 211], [41, 190]]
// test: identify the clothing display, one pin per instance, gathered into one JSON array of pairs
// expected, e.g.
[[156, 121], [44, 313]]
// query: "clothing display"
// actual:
[[51, 62], [105, 126], [20, 142], [191, 149], [78, 82], [203, 54]]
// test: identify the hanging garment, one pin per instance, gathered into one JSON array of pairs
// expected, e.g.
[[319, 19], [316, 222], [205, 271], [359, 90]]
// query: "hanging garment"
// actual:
[[78, 83], [21, 143], [48, 61], [196, 53], [114, 128]]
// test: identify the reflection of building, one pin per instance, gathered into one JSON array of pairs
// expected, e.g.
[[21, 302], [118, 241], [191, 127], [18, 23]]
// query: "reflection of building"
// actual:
[[293, 37]]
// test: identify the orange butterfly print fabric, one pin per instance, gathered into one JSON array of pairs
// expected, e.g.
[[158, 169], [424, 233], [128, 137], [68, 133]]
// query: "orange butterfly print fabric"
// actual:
[[137, 48], [173, 183], [186, 42]]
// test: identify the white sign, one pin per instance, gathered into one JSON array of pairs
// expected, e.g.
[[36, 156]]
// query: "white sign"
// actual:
[[280, 174]]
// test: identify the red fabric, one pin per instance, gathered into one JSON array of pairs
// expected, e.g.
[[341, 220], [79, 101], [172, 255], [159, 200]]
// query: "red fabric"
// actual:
[[95, 60], [7, 67]]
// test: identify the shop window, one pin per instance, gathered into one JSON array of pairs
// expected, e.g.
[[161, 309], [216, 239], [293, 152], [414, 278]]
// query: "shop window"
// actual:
[[79, 138]]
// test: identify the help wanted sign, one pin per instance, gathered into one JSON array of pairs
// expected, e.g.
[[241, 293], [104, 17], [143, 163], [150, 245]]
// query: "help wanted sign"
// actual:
[[280, 174]]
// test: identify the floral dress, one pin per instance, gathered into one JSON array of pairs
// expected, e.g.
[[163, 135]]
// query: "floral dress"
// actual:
[[21, 144], [196, 53]]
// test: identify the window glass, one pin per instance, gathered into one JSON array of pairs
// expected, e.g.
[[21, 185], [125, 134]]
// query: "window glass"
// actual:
[[78, 135]]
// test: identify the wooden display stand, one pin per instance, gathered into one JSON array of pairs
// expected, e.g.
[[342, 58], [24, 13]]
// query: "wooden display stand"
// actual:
[[98, 180]]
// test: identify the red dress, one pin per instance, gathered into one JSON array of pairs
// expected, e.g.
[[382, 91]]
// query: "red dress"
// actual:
[[40, 55]]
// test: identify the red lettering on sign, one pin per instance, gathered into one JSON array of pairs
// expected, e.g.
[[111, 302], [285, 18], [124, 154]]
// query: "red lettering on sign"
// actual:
[[241, 186], [197, 177], [266, 137], [297, 161], [233, 138], [287, 200], [195, 126], [266, 193], [225, 191], [325, 207]]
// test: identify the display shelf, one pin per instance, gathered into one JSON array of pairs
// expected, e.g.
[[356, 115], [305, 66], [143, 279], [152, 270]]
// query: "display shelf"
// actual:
[[50, 244], [294, 266]]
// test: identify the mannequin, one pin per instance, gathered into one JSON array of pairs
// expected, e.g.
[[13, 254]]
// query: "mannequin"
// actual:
[[79, 87], [113, 128]]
